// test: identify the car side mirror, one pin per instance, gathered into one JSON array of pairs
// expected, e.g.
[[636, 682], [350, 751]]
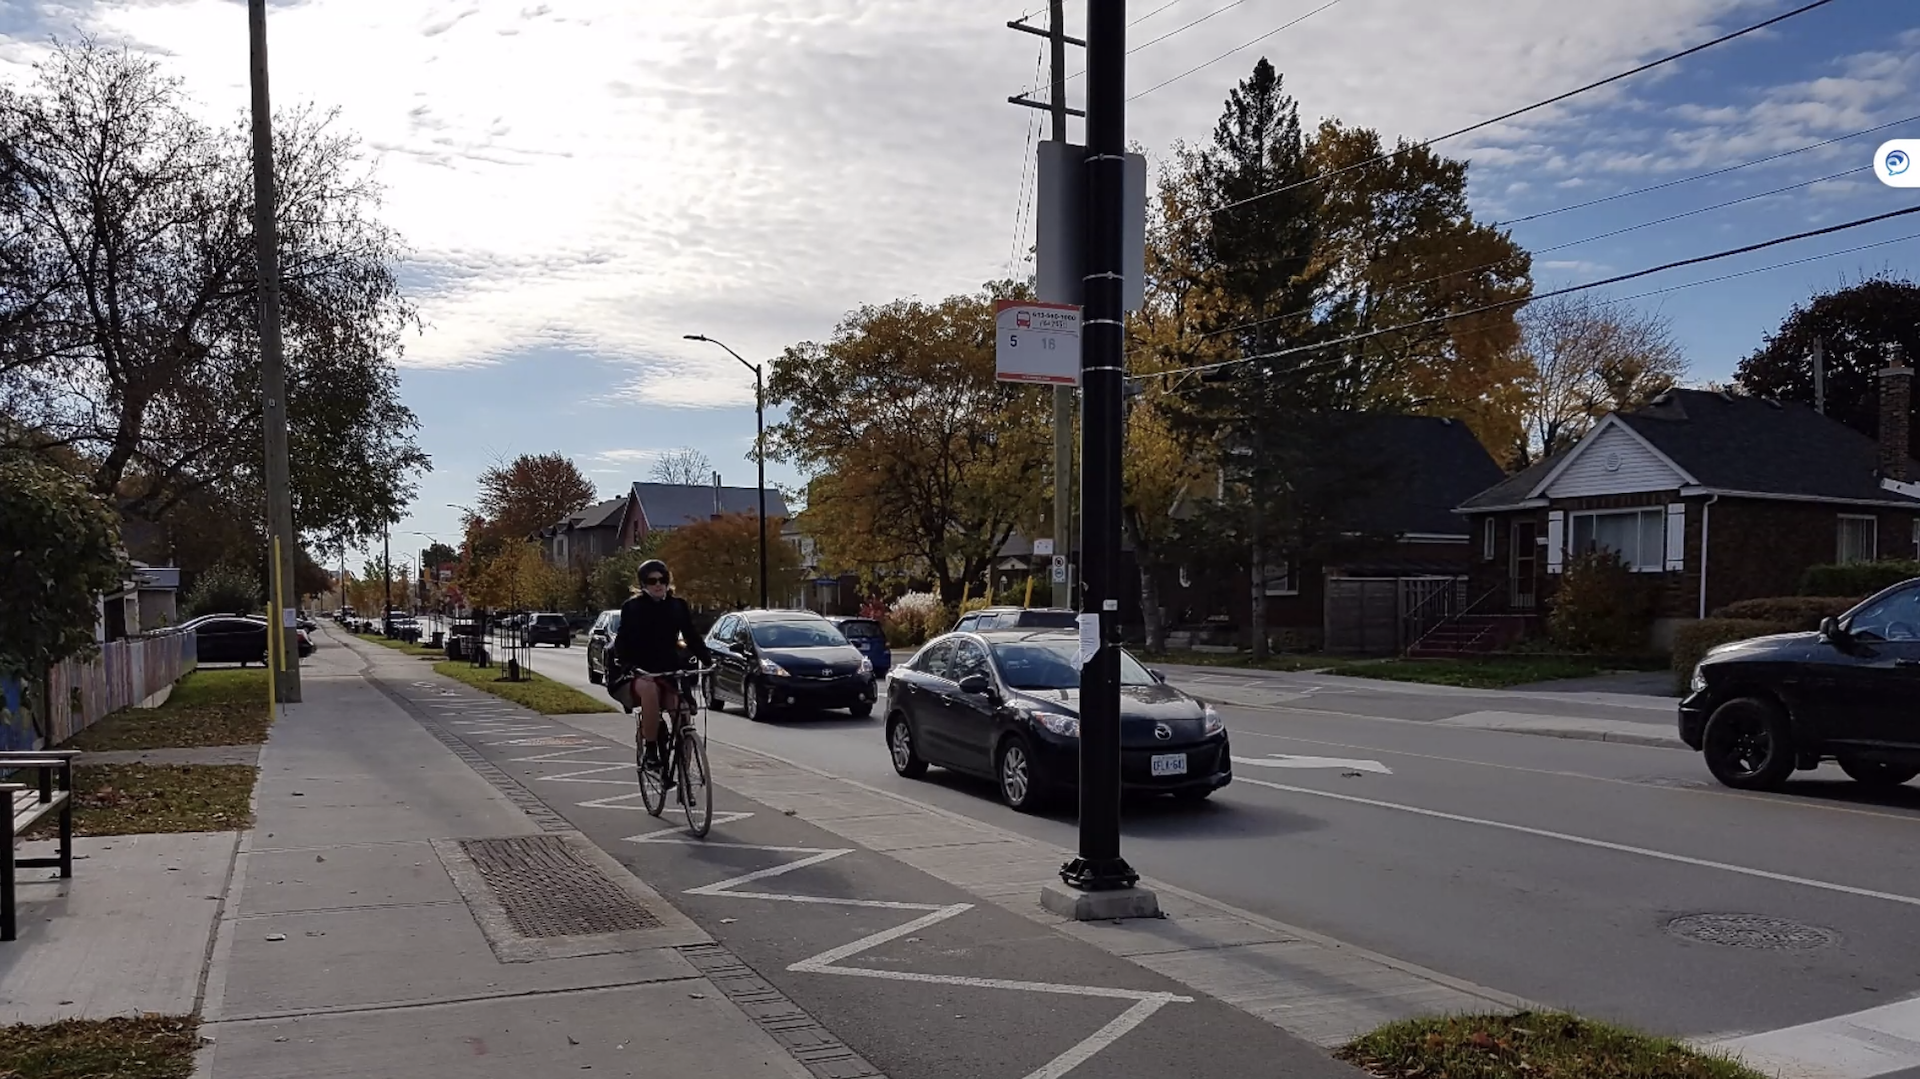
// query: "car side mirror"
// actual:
[[975, 684], [1831, 630], [1157, 676]]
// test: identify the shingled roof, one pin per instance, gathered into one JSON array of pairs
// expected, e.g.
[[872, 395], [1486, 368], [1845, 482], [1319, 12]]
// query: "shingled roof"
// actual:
[[1744, 445], [671, 505]]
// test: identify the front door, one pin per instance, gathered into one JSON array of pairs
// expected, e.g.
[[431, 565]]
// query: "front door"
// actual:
[[1524, 593]]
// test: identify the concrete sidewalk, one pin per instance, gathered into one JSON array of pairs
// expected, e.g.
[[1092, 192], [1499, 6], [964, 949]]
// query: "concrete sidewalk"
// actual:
[[393, 914]]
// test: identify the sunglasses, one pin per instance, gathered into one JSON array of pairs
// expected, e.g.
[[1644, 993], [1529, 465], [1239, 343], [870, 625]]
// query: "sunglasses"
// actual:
[[653, 580]]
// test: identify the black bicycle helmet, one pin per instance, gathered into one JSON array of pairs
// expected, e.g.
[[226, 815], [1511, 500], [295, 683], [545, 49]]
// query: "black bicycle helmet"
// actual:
[[654, 565]]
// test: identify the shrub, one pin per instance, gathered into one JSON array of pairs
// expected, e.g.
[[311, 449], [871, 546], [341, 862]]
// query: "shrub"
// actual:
[[1599, 607], [225, 589], [915, 617], [1799, 612], [1693, 640], [977, 603], [1856, 578]]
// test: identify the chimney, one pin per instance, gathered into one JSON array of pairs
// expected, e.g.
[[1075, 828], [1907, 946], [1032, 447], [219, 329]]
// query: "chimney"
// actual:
[[1896, 398], [717, 510]]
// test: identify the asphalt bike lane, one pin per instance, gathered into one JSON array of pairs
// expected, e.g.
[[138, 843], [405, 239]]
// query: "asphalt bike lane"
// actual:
[[918, 977], [1594, 876]]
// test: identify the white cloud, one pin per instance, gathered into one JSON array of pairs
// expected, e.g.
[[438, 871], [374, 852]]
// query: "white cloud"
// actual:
[[608, 175]]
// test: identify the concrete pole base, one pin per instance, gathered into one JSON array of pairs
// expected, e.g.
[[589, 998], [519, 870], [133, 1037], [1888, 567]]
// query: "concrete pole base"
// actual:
[[1113, 905]]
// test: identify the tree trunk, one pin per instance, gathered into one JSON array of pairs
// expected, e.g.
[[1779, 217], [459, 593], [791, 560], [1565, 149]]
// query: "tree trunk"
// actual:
[[1150, 613], [1257, 609]]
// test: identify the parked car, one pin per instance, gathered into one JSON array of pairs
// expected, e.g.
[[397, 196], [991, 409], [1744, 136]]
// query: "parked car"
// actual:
[[1761, 709], [990, 618], [229, 638], [546, 628], [867, 635], [1004, 705], [599, 639], [772, 660], [305, 646]]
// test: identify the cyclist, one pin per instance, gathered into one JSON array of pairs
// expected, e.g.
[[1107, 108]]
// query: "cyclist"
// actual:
[[653, 626]]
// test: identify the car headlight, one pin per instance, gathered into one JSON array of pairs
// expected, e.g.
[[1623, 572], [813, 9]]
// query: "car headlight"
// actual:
[[1699, 680], [1214, 723], [1065, 726], [866, 665], [768, 666]]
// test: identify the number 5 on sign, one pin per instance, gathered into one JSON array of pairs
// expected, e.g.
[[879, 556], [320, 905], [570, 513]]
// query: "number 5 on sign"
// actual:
[[1037, 342]]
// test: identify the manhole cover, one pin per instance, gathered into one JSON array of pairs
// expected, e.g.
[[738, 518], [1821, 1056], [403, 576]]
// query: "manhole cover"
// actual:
[[547, 890], [1751, 931]]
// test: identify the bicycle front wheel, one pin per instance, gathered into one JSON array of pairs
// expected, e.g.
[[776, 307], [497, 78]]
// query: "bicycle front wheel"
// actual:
[[696, 785], [653, 781]]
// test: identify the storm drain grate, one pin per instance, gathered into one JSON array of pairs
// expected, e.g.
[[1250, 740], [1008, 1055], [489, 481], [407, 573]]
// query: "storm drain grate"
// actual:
[[547, 890], [1751, 931]]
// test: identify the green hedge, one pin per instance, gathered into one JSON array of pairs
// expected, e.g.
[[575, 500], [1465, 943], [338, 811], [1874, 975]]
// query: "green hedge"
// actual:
[[1799, 612], [1693, 640], [1857, 578]]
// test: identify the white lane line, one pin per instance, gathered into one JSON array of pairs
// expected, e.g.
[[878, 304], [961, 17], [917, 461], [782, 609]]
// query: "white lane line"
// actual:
[[1287, 760], [1623, 848], [1101, 1038], [1856, 1046]]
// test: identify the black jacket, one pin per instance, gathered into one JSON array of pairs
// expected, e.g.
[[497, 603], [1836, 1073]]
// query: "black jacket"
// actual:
[[650, 634]]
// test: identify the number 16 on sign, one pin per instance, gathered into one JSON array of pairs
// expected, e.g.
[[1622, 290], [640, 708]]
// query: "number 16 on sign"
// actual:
[[1037, 342]]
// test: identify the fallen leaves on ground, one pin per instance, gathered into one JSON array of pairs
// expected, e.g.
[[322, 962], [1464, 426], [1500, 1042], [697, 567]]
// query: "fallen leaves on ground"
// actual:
[[1529, 1046], [131, 1047]]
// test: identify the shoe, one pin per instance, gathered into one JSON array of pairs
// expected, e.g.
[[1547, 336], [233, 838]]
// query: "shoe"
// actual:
[[650, 756]]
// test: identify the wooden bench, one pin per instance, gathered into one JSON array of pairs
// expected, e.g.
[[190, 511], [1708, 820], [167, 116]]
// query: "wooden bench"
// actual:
[[29, 804]]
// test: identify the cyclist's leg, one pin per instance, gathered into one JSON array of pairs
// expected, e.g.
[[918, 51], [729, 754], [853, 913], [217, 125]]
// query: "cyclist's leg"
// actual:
[[647, 692]]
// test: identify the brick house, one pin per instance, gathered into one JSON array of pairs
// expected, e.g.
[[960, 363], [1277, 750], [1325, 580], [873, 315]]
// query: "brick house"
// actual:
[[1399, 539], [1714, 498]]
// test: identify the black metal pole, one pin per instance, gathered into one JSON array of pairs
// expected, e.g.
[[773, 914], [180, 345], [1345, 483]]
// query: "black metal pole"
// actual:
[[1099, 866], [760, 456], [386, 573]]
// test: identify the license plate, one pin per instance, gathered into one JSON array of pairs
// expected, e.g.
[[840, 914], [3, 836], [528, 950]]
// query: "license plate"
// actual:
[[1168, 764]]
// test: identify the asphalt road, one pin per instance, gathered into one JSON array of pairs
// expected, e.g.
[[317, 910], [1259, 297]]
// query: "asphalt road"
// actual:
[[1549, 868]]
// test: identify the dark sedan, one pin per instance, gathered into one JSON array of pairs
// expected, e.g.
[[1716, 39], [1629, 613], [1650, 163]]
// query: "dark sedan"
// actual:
[[774, 660], [546, 628], [1763, 708], [1005, 705], [236, 638]]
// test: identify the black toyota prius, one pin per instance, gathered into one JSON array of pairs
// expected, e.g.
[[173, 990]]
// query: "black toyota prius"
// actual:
[[1006, 706]]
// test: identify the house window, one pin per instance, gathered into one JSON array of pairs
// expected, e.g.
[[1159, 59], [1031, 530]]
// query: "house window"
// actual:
[[1280, 580], [1859, 539], [1639, 537], [1488, 531]]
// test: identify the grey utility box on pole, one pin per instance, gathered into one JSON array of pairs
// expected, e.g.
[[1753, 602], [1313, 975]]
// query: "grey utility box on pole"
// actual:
[[1057, 226]]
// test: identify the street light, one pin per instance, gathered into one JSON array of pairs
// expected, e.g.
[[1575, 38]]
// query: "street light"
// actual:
[[759, 449]]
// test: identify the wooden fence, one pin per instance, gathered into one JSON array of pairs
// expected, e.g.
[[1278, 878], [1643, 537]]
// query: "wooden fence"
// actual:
[[83, 692]]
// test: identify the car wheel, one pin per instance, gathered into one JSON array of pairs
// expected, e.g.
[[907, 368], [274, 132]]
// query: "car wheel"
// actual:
[[906, 759], [712, 691], [1018, 775], [755, 707], [862, 710], [1749, 745], [1877, 774]]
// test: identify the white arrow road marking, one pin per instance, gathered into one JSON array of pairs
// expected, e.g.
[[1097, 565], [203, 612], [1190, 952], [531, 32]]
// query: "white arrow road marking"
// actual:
[[829, 962], [1283, 760]]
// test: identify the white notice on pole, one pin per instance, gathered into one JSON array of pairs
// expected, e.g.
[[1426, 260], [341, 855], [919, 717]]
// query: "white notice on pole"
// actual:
[[1089, 639], [1042, 548], [1037, 342]]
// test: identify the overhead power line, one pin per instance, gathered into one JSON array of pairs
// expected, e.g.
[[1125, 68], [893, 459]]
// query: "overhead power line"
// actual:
[[1237, 48], [1522, 301], [1505, 116]]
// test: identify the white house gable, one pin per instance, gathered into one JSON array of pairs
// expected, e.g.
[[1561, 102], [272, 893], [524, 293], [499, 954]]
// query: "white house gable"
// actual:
[[1613, 462]]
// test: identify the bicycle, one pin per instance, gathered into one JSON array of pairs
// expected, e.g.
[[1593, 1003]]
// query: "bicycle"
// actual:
[[683, 757]]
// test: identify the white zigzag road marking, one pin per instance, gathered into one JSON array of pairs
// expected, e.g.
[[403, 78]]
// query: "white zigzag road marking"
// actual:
[[1144, 1005]]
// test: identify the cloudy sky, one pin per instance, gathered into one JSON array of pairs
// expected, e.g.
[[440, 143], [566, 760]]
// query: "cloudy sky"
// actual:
[[585, 181]]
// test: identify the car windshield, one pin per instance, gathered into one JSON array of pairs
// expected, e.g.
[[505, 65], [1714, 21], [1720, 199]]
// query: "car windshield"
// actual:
[[550, 620], [857, 631], [1050, 665], [797, 635], [1890, 618]]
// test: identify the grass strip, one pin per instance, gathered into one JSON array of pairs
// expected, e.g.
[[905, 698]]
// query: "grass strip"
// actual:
[[129, 1047], [207, 708], [1492, 672], [537, 692], [131, 799], [1530, 1045]]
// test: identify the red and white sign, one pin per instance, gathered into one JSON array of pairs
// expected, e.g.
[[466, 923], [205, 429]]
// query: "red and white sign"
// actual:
[[1037, 342]]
